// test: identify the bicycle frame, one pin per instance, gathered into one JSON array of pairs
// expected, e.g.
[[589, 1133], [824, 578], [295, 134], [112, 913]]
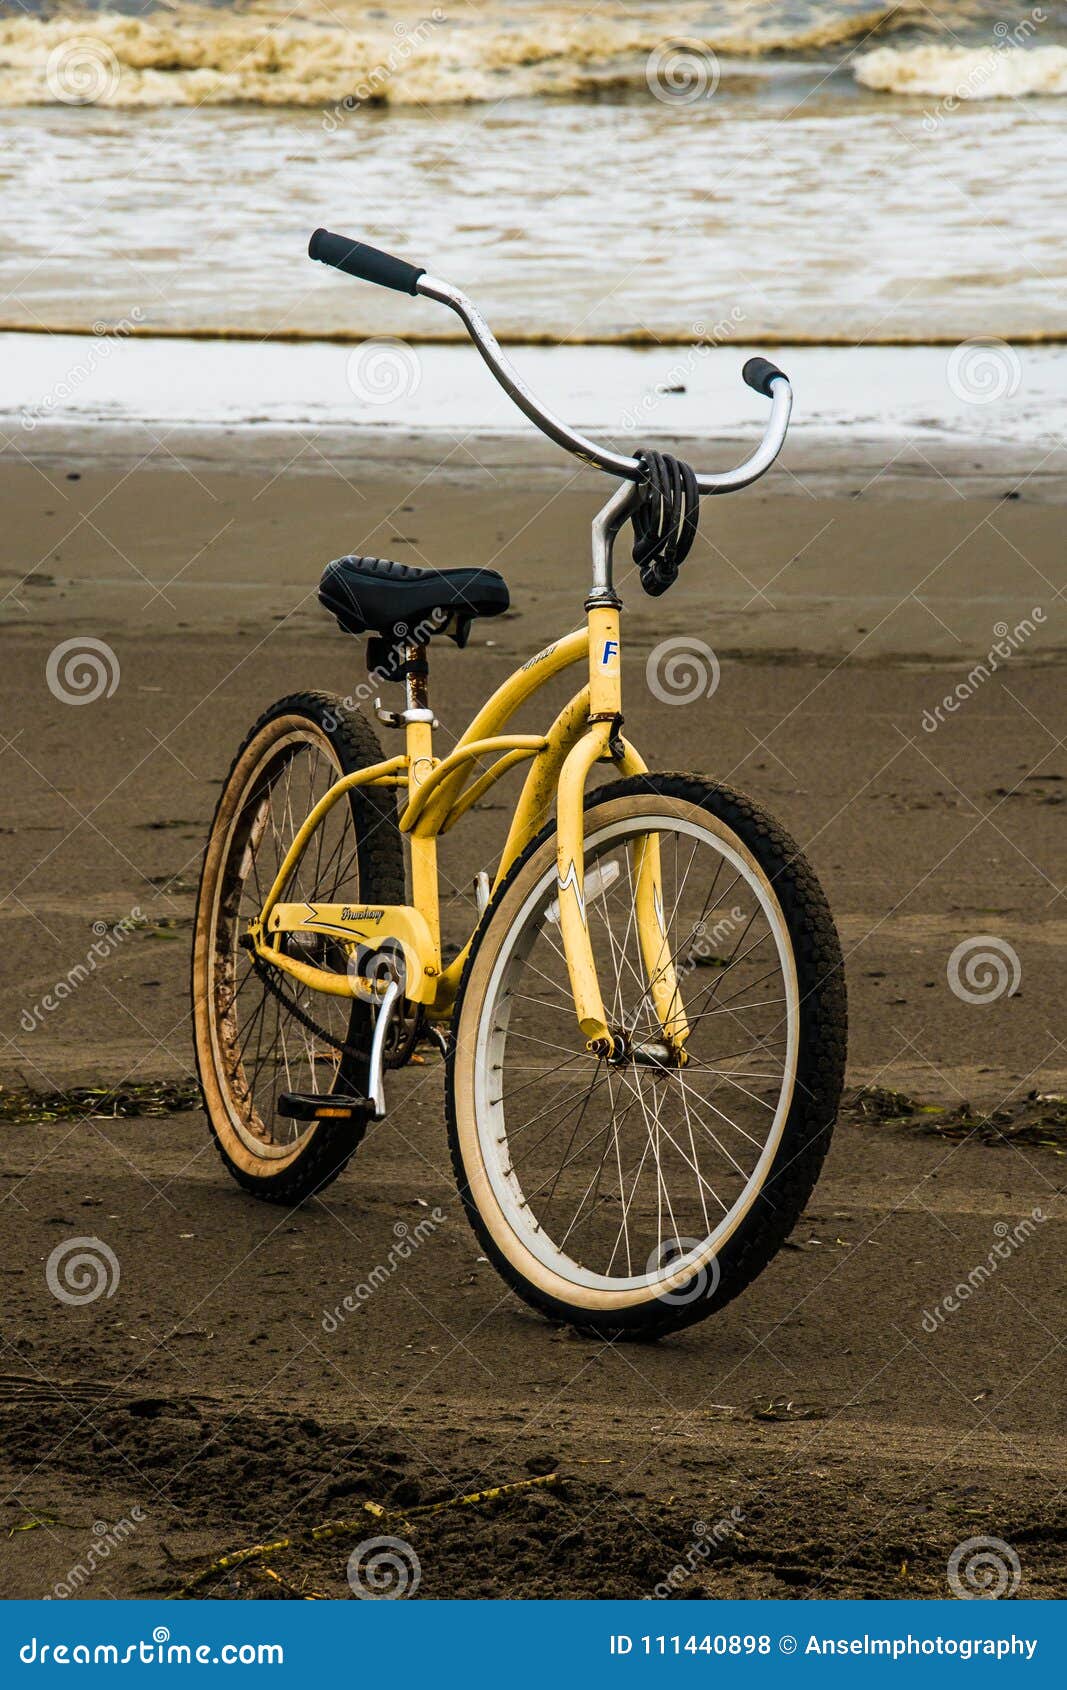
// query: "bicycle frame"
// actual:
[[440, 792], [588, 730]]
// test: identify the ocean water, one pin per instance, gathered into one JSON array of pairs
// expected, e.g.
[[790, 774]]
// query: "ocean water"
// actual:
[[740, 171]]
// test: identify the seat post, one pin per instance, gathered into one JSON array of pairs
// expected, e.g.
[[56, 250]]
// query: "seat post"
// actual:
[[416, 678], [419, 724]]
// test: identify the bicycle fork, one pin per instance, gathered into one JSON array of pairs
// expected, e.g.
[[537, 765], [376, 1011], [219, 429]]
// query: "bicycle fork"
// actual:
[[604, 740]]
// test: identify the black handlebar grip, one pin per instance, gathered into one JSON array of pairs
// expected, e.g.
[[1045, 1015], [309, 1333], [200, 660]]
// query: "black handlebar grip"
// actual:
[[759, 373], [367, 262]]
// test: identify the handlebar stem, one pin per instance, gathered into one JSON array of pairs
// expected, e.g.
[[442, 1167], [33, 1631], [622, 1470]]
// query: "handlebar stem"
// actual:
[[606, 524]]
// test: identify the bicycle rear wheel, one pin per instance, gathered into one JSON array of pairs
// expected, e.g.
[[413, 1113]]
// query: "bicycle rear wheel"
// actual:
[[253, 1043], [631, 1198]]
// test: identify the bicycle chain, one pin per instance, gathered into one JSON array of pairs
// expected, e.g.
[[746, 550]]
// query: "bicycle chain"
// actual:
[[264, 973], [394, 1058]]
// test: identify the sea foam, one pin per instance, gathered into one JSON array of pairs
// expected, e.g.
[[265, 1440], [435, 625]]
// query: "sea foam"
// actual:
[[965, 73]]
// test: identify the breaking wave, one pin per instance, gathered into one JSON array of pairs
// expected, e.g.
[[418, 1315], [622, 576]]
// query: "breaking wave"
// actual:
[[267, 55]]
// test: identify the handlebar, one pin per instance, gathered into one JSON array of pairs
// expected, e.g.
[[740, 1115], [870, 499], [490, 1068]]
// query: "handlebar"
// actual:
[[372, 265]]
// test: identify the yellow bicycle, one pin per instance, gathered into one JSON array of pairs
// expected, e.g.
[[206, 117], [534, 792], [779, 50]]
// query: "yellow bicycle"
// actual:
[[645, 1033]]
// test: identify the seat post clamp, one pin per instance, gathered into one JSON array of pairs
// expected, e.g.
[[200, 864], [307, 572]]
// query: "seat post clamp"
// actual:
[[401, 718]]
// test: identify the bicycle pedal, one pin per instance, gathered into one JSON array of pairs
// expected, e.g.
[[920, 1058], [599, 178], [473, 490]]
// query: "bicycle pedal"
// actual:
[[322, 1106]]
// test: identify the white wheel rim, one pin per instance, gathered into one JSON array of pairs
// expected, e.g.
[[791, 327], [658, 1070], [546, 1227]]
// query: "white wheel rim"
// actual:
[[491, 1126]]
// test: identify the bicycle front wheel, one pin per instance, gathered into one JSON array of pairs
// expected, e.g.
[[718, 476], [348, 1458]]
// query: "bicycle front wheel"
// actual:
[[633, 1197]]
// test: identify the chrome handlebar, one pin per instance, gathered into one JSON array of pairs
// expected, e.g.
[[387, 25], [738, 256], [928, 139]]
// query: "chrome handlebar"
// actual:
[[370, 264], [601, 457]]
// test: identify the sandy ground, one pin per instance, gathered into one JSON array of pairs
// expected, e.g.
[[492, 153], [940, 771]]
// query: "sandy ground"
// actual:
[[826, 1440]]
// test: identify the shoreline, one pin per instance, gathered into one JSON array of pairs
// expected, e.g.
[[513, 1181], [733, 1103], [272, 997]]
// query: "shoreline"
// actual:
[[638, 338], [980, 419]]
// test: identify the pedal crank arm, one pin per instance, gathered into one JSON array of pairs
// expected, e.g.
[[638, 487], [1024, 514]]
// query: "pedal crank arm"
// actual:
[[376, 1059]]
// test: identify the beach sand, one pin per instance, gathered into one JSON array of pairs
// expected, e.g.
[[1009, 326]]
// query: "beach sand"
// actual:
[[849, 1449]]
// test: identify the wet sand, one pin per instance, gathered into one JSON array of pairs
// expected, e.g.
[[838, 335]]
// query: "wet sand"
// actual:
[[848, 1448]]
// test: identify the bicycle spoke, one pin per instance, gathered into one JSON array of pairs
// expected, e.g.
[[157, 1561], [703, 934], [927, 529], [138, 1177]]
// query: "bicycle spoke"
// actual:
[[617, 1166], [272, 1048]]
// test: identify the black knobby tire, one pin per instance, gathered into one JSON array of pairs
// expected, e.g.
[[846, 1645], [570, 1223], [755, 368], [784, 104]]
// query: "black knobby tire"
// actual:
[[325, 1148], [819, 1067]]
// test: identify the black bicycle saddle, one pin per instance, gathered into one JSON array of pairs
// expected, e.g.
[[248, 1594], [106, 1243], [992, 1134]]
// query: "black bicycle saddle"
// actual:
[[373, 595]]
